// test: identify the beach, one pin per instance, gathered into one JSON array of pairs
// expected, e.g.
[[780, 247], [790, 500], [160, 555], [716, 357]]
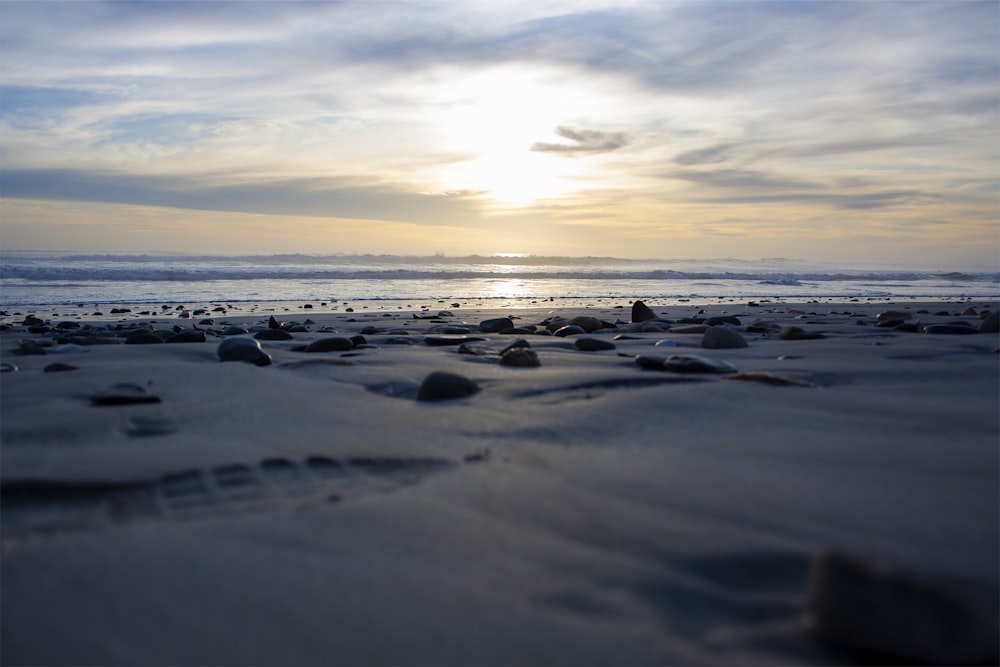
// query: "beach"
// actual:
[[753, 482]]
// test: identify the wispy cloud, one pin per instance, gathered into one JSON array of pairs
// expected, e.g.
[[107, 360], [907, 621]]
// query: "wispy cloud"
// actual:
[[583, 141]]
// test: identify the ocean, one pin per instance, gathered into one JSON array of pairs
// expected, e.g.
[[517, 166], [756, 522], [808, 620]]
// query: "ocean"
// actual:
[[50, 279]]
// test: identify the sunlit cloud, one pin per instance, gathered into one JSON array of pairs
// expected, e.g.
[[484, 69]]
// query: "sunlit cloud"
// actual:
[[642, 121]]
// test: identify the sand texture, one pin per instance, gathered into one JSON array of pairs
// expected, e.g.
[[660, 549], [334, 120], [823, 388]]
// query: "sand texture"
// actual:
[[826, 493]]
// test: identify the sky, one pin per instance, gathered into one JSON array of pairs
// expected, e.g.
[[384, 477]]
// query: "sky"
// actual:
[[836, 131]]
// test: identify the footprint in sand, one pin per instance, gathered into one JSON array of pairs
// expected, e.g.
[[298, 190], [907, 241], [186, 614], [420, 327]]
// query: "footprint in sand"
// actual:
[[51, 507]]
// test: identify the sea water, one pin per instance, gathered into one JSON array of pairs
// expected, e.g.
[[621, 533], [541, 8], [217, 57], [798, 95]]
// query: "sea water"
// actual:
[[40, 278]]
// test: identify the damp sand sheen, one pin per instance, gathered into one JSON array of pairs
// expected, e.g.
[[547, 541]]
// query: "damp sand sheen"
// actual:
[[702, 483]]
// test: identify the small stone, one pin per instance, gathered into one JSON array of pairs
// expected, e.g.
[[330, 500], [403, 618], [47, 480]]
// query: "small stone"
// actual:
[[970, 312], [496, 325], [893, 315], [273, 334], [950, 329], [651, 362], [273, 323], [723, 319], [68, 325], [442, 386], [243, 349], [331, 344], [187, 336], [641, 312], [520, 342], [876, 610], [689, 329], [593, 344], [682, 363], [587, 323], [143, 338], [124, 394], [59, 367], [721, 337], [521, 357], [798, 333], [446, 339], [569, 330], [234, 330]]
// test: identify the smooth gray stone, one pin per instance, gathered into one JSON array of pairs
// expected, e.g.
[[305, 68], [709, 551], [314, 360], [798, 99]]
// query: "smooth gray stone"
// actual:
[[641, 312], [950, 329], [124, 394], [521, 357], [684, 363], [496, 325], [273, 334], [332, 344], [442, 386], [569, 330], [593, 344], [243, 349], [234, 330], [721, 337]]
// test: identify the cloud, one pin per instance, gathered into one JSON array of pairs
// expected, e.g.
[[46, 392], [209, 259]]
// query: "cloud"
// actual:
[[584, 141]]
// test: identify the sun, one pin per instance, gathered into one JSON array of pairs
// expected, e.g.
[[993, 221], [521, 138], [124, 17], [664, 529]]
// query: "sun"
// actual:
[[493, 119]]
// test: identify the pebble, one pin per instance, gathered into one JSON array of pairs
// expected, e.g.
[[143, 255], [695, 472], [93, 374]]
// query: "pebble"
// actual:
[[187, 336], [235, 330], [721, 337], [447, 339], [273, 323], [124, 394], [723, 319], [642, 313], [893, 315], [496, 325], [569, 330], [58, 367], [243, 349], [593, 344], [143, 338], [521, 357], [331, 344], [798, 333], [585, 322], [950, 329], [520, 342], [876, 610], [442, 386], [273, 334]]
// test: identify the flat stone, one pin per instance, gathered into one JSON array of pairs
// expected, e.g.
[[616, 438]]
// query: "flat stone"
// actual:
[[798, 333], [723, 319], [520, 342], [950, 329], [587, 323], [651, 362], [721, 337], [496, 325], [187, 336], [243, 349], [442, 386], [569, 330], [59, 367], [893, 315], [593, 344], [331, 344], [689, 329], [124, 394], [522, 357], [445, 339], [234, 330], [684, 363], [273, 334]]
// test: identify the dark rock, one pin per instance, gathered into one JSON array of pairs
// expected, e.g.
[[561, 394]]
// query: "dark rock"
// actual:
[[143, 338], [723, 319], [950, 329], [893, 315], [273, 323], [273, 334], [798, 333], [519, 331], [59, 367], [889, 324], [243, 349], [124, 394], [721, 337], [358, 341], [442, 386], [682, 363], [689, 329], [587, 323], [641, 312], [496, 325], [876, 610], [234, 330], [369, 331], [522, 357], [652, 362], [991, 324], [68, 325], [453, 330], [187, 336], [593, 344], [908, 327], [569, 330], [445, 339], [332, 344], [520, 342]]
